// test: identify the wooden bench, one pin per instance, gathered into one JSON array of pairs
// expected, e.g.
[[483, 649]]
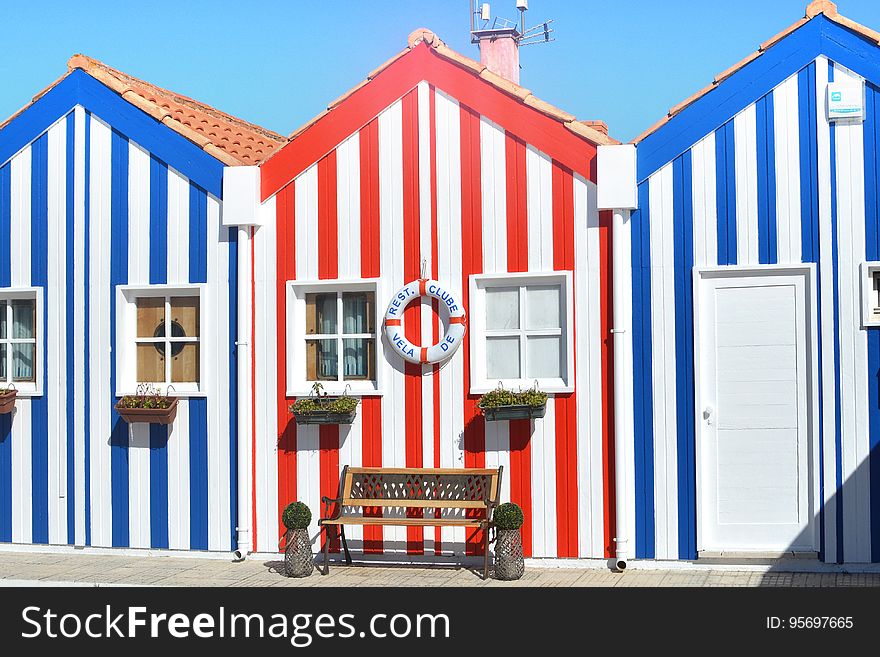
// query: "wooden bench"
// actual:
[[472, 493]]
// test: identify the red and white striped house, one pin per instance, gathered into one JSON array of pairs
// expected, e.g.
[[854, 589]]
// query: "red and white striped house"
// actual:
[[434, 167]]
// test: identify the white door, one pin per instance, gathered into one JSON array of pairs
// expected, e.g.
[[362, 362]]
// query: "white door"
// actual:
[[753, 438]]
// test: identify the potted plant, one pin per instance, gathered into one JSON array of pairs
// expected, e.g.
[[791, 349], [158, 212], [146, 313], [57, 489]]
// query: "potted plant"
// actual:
[[320, 408], [298, 559], [502, 404], [148, 405], [7, 399], [507, 520]]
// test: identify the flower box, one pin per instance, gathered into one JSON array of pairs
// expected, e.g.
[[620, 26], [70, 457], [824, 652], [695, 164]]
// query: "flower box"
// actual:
[[324, 417], [7, 400], [514, 412], [148, 415]]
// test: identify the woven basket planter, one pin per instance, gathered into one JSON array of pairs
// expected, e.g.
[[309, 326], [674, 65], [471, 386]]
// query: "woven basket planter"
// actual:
[[298, 559], [509, 564]]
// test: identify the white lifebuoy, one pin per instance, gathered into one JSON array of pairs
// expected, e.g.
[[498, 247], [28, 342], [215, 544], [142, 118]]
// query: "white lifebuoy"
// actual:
[[394, 322]]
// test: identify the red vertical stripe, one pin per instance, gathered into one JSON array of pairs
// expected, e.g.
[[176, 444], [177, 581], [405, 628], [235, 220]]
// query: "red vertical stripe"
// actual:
[[607, 379], [371, 407], [413, 313], [435, 305], [285, 270], [566, 405], [328, 229], [471, 263], [517, 206]]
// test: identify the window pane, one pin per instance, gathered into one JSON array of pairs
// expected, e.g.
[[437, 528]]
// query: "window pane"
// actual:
[[357, 312], [151, 318], [150, 363], [321, 360], [502, 358], [2, 319], [185, 365], [543, 357], [320, 313], [23, 362], [358, 358], [23, 318], [542, 307], [502, 308], [185, 314], [2, 363]]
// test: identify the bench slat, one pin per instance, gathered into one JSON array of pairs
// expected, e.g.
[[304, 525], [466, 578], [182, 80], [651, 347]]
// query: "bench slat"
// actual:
[[416, 504], [411, 522]]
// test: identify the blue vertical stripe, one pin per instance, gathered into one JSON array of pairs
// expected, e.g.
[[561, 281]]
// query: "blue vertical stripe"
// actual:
[[158, 222], [39, 278], [5, 419], [87, 396], [198, 473], [158, 486], [725, 193], [72, 378], [233, 384], [838, 439], [118, 276], [872, 253], [766, 160], [198, 235], [683, 231], [643, 406]]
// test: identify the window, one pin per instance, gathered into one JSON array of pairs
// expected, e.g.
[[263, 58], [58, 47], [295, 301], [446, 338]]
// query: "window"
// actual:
[[332, 337], [159, 338], [520, 331], [18, 339]]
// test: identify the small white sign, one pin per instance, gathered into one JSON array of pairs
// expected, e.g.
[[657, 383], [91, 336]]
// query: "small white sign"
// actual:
[[846, 100]]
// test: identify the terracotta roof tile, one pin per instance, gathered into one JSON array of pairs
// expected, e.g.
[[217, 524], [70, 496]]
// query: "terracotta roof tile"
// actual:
[[816, 7]]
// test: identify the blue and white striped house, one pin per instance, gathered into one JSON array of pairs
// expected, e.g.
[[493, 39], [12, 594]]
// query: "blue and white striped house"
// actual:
[[752, 337], [110, 226]]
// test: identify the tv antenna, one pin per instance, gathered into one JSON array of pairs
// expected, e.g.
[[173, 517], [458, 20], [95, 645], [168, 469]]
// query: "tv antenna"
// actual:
[[483, 25]]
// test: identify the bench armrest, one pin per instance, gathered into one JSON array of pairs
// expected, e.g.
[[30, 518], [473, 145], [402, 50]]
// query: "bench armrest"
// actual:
[[328, 504]]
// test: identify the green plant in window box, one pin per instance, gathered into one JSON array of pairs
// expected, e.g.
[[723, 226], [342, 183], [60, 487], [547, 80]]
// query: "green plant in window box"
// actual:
[[148, 405], [7, 398], [502, 404], [321, 408]]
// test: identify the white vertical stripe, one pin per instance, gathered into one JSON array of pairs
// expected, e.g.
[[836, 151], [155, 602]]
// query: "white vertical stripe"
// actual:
[[178, 228], [266, 367], [627, 367], [494, 194], [746, 162], [55, 386], [853, 341], [826, 320], [663, 366], [498, 453], [391, 267], [451, 403], [705, 229], [544, 483], [20, 276], [178, 479], [348, 206], [306, 224], [99, 333], [539, 194], [786, 135], [78, 346], [138, 274], [308, 478]]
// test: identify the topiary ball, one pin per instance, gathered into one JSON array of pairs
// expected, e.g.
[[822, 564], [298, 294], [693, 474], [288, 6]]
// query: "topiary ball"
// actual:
[[508, 516], [296, 515]]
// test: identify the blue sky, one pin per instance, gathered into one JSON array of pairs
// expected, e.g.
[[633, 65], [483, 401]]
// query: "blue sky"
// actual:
[[277, 63]]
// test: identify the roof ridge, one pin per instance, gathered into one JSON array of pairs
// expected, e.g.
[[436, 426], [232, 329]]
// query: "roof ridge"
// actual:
[[583, 129], [816, 7]]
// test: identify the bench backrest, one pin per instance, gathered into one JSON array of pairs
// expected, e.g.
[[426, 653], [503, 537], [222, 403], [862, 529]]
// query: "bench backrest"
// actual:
[[435, 488]]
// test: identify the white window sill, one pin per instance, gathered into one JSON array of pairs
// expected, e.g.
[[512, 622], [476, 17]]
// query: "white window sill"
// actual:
[[353, 388], [26, 393], [551, 386]]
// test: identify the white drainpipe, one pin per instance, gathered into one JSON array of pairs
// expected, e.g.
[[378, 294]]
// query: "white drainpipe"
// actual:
[[243, 352], [617, 192]]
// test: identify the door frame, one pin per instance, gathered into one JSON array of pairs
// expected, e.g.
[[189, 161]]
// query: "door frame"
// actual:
[[808, 271]]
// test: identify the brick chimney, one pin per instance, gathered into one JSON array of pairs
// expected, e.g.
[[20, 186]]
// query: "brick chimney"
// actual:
[[499, 52]]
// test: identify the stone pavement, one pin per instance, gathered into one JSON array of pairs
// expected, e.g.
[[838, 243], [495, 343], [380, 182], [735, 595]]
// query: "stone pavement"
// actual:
[[32, 568]]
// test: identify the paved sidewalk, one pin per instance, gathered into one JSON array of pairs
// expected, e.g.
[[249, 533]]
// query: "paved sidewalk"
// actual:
[[19, 568]]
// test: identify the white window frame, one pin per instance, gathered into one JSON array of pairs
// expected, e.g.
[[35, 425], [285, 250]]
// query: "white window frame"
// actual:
[[870, 295], [126, 337], [26, 388], [297, 382], [480, 383]]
